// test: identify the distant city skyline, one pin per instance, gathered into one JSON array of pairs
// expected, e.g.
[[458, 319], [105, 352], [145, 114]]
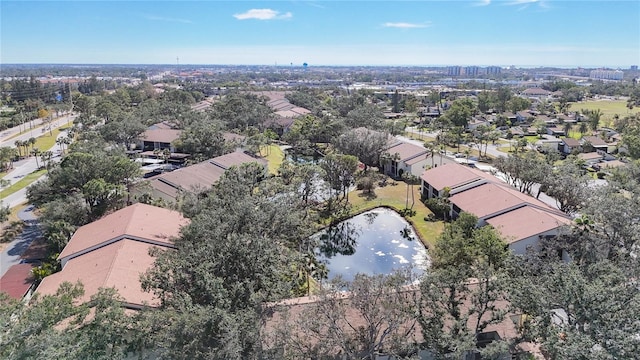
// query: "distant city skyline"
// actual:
[[522, 33]]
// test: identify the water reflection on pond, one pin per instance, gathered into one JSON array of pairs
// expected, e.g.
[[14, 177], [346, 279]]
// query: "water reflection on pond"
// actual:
[[375, 242]]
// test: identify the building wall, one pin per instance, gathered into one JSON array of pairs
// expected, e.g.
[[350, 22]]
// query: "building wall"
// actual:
[[520, 247]]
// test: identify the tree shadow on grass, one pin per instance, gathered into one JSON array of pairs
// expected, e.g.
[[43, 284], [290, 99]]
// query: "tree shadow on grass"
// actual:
[[368, 196]]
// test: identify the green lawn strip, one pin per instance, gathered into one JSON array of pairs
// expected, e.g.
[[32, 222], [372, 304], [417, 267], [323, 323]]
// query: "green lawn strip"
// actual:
[[22, 183], [274, 156], [609, 108], [46, 141], [394, 196]]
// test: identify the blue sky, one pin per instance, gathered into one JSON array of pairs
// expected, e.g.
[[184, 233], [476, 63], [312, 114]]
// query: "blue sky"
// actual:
[[479, 32]]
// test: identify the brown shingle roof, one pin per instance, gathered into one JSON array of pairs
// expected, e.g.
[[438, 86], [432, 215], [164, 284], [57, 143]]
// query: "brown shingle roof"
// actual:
[[525, 222], [454, 175], [571, 142], [536, 91], [118, 265], [200, 176], [138, 221], [407, 151], [485, 200], [492, 198], [236, 158], [590, 156], [160, 135], [594, 140]]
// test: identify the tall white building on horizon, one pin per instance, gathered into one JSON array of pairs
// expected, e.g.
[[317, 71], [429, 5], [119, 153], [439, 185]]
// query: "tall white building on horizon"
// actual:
[[606, 74]]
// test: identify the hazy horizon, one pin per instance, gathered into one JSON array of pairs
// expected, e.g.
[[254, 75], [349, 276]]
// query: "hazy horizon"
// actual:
[[284, 66]]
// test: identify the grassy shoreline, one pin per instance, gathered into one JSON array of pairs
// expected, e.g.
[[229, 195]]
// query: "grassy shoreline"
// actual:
[[394, 197]]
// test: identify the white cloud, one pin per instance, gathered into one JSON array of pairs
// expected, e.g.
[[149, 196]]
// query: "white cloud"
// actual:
[[526, 3], [167, 19], [482, 3], [263, 14], [403, 25]]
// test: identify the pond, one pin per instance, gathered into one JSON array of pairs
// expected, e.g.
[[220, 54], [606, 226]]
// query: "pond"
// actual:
[[375, 242]]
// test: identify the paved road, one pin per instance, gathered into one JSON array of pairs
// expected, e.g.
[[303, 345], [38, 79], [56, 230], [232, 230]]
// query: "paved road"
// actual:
[[26, 166], [11, 254], [36, 132], [6, 134]]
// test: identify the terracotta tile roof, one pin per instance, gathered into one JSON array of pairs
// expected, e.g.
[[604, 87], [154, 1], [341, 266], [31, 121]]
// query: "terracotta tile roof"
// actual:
[[525, 222], [407, 151], [160, 135], [138, 221], [454, 175], [118, 265], [17, 280]]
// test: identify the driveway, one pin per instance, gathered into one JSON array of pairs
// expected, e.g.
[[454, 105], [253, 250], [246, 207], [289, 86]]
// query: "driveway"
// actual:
[[12, 253]]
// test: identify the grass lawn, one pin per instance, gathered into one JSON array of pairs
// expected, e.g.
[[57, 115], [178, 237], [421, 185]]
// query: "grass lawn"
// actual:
[[394, 196], [46, 141], [23, 183], [274, 156], [609, 108]]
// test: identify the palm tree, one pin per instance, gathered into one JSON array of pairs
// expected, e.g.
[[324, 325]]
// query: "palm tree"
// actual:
[[566, 127], [18, 144], [583, 128], [432, 149], [35, 152], [46, 159], [60, 142], [594, 119], [31, 142]]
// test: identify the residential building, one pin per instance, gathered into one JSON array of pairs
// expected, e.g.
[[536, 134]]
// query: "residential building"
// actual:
[[605, 74], [454, 70], [114, 251], [411, 158], [570, 145], [493, 70], [520, 219], [158, 139], [199, 177], [536, 93], [471, 70]]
